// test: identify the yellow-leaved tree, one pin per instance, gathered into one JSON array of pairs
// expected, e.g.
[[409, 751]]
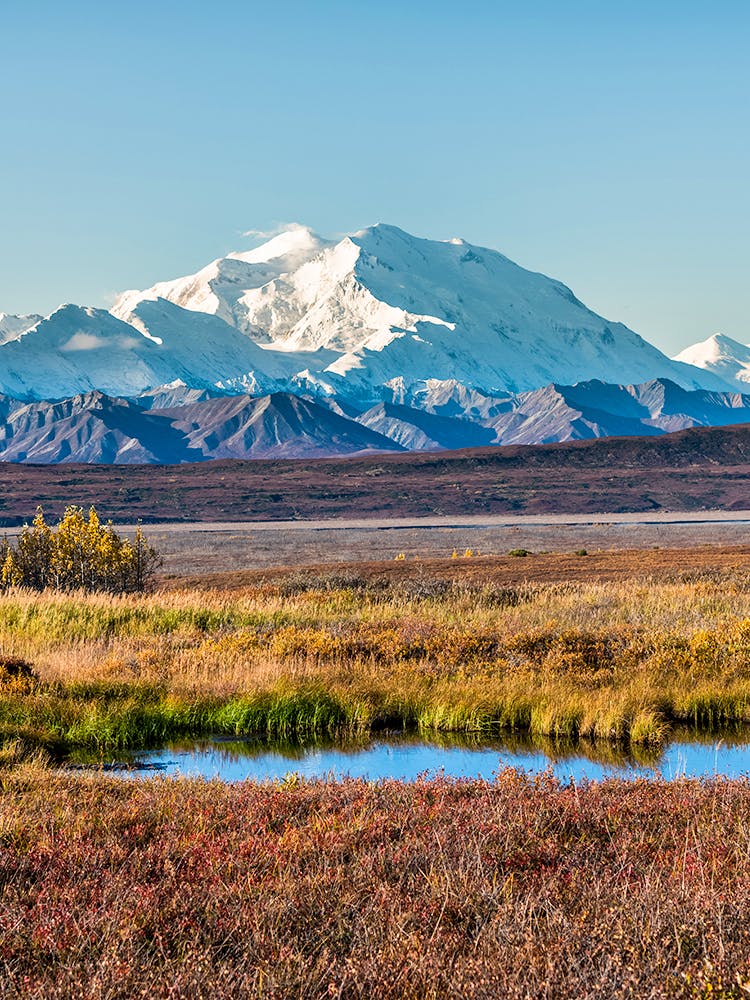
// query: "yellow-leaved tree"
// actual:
[[82, 554]]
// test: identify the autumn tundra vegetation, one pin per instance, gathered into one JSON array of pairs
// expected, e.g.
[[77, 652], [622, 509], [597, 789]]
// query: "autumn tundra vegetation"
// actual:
[[518, 887], [312, 655]]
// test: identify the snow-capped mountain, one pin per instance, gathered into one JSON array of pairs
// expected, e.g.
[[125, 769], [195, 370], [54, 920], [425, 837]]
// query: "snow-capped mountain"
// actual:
[[383, 305], [228, 287], [77, 350], [723, 356], [377, 341]]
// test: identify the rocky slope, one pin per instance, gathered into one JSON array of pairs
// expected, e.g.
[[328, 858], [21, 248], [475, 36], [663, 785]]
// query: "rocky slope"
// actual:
[[553, 413], [97, 428], [176, 424]]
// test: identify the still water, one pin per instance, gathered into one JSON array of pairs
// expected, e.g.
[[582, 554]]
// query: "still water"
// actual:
[[407, 757]]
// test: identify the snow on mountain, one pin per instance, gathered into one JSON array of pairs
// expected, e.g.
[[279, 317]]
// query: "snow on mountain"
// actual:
[[225, 287], [398, 306], [448, 398], [11, 327], [721, 355], [75, 350], [204, 350], [173, 394], [382, 305], [379, 317]]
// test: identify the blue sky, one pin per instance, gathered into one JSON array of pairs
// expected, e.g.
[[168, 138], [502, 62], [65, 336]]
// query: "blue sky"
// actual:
[[604, 144]]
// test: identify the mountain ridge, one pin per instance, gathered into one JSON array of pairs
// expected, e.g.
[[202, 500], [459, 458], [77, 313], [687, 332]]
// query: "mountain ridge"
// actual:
[[178, 424], [722, 356], [376, 341], [100, 429]]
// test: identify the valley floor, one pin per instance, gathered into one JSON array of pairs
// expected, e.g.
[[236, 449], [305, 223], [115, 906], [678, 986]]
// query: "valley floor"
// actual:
[[210, 548], [698, 470]]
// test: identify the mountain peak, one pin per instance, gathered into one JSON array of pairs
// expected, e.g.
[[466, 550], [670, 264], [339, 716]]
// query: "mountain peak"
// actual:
[[726, 343], [723, 356], [383, 304], [376, 314], [294, 241], [715, 346]]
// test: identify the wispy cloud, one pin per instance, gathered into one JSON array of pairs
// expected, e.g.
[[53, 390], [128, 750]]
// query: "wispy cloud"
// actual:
[[83, 341], [268, 234]]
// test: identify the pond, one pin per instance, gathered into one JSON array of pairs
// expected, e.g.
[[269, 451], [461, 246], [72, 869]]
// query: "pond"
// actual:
[[406, 757]]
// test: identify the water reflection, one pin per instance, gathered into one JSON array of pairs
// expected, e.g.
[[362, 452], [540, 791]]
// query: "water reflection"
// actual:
[[407, 756]]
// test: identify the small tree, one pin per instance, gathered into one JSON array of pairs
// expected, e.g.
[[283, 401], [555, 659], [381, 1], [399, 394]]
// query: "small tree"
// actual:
[[34, 555], [10, 574], [73, 562], [145, 560], [81, 554]]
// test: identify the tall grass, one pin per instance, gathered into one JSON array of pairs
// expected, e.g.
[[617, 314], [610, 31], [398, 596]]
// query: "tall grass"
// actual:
[[610, 661]]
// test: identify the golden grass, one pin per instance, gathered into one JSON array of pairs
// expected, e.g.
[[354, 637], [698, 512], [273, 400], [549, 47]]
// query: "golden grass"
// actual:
[[610, 660]]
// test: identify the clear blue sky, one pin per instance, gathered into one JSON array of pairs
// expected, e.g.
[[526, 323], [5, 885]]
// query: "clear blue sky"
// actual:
[[605, 144]]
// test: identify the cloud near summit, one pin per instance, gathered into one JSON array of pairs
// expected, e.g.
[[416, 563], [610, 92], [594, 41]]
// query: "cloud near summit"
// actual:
[[268, 234], [90, 342]]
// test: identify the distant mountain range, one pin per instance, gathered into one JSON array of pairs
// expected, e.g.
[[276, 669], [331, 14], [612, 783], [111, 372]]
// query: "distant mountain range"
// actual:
[[179, 424], [94, 427], [378, 341]]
